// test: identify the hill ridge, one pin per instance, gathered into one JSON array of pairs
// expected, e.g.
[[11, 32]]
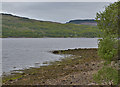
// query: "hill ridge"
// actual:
[[16, 27]]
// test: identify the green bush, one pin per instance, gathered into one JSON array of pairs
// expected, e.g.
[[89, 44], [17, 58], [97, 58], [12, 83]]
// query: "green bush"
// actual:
[[108, 75], [108, 24], [108, 45], [108, 49]]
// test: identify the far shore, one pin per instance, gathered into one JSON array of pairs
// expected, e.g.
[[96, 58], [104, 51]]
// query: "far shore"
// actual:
[[49, 37]]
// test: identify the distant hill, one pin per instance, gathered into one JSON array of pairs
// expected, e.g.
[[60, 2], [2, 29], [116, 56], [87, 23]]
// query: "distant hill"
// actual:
[[84, 22], [16, 27]]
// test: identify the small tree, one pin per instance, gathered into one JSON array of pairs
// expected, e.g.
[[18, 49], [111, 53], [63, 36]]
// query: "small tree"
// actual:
[[108, 22]]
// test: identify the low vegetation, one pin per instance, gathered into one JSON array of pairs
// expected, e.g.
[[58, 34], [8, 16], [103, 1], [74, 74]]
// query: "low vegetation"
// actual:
[[14, 26]]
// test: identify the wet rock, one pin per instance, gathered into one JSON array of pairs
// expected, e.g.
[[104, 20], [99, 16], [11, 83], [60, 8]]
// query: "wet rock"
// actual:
[[14, 67], [43, 82], [29, 74], [84, 73], [33, 74], [86, 64], [91, 69], [77, 63], [98, 66], [72, 76], [23, 74], [19, 78], [55, 52], [10, 80], [63, 80]]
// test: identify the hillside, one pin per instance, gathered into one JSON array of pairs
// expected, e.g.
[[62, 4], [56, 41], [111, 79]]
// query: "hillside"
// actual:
[[84, 22], [14, 26]]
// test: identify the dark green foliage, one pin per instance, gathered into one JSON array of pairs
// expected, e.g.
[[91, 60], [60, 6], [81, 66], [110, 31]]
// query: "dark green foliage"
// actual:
[[14, 26], [107, 21], [108, 49], [108, 24], [108, 45]]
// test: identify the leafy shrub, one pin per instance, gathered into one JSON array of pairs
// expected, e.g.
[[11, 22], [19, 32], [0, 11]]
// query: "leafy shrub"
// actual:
[[107, 75]]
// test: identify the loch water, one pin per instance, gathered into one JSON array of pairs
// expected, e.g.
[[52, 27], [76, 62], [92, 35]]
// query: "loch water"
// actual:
[[21, 53]]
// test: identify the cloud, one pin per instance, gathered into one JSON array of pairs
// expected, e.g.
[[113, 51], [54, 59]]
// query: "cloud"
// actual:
[[54, 11], [60, 0]]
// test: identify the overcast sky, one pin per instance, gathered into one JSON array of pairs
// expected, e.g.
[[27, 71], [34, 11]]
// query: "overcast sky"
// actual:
[[59, 0], [54, 11]]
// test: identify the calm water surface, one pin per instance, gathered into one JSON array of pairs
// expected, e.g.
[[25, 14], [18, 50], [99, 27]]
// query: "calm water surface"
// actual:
[[19, 53]]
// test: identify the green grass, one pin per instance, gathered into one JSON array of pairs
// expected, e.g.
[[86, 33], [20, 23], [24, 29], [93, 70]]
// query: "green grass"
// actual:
[[107, 74]]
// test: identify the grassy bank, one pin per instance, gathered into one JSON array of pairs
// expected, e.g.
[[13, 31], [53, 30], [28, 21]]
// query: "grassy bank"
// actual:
[[20, 27], [77, 69]]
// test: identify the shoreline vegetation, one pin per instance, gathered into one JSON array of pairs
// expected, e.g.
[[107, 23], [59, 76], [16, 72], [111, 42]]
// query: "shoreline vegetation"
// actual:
[[77, 69]]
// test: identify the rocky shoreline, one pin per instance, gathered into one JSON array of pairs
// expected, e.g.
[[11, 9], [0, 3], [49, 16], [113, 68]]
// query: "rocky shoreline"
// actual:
[[77, 69]]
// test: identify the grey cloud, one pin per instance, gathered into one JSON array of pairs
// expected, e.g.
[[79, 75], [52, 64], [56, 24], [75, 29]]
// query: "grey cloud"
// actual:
[[54, 11]]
